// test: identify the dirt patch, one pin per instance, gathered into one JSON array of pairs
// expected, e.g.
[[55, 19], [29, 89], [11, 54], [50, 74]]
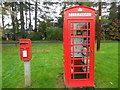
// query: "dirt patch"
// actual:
[[40, 50], [60, 81]]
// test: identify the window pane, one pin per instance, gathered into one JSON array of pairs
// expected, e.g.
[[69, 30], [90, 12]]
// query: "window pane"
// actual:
[[80, 32], [80, 26], [80, 40], [80, 62], [78, 76]]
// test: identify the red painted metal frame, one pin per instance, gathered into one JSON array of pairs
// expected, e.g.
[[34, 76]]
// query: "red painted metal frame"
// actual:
[[88, 82]]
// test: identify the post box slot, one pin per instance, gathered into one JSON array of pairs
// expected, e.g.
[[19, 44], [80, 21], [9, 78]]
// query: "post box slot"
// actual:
[[24, 47], [23, 43]]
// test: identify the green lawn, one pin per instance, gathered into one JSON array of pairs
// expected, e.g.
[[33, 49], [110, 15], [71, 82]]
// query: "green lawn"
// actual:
[[53, 41], [106, 66], [47, 66], [39, 41], [0, 67]]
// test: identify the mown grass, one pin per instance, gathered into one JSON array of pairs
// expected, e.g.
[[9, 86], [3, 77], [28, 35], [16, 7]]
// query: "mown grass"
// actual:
[[107, 41], [46, 66], [0, 67], [39, 41], [52, 41], [106, 66]]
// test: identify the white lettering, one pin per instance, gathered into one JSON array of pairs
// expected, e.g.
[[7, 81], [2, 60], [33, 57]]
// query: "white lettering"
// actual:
[[80, 14]]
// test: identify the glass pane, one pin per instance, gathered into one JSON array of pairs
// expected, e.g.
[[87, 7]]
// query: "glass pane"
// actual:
[[78, 76], [80, 48], [81, 69], [80, 33], [80, 40], [78, 51], [77, 55], [80, 62], [82, 25]]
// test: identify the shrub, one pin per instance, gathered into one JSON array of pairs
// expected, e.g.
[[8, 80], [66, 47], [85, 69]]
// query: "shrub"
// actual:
[[54, 33], [34, 36], [20, 35]]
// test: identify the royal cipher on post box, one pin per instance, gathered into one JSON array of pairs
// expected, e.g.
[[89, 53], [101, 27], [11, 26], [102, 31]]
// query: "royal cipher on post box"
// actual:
[[25, 49]]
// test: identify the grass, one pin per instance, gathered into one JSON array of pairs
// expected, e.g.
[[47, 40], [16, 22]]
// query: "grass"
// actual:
[[107, 41], [106, 66], [54, 41], [40, 41], [46, 66], [0, 67]]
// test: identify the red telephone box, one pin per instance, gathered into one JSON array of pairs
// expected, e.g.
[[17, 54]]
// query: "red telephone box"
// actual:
[[25, 49], [79, 38]]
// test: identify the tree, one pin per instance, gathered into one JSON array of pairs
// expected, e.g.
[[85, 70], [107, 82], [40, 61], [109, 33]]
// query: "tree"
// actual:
[[30, 25], [14, 18], [54, 33], [114, 30], [3, 19], [45, 17], [22, 17], [118, 12], [26, 10], [36, 16], [43, 25], [5, 9], [113, 11]]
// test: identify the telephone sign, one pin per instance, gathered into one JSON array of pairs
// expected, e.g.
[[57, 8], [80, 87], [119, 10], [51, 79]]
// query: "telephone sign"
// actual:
[[79, 14], [79, 38]]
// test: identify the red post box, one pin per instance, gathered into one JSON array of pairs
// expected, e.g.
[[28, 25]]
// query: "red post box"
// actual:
[[79, 38], [25, 49]]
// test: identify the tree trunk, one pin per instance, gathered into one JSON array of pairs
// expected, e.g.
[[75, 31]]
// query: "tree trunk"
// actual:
[[99, 27], [30, 28], [22, 17], [36, 16], [26, 18], [13, 20], [16, 20]]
